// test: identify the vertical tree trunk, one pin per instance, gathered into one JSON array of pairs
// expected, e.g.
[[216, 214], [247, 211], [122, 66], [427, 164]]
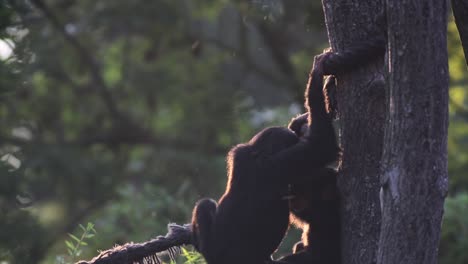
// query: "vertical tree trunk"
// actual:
[[414, 174], [361, 103]]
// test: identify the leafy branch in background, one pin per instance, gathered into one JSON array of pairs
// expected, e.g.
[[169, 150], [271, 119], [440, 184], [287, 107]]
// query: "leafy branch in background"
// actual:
[[192, 257], [75, 245]]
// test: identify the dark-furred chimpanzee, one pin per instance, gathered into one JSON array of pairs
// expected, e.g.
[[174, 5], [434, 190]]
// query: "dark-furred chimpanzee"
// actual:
[[251, 218], [315, 208], [315, 203]]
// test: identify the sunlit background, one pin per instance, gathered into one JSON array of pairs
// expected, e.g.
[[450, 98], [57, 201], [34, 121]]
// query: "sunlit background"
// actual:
[[117, 115]]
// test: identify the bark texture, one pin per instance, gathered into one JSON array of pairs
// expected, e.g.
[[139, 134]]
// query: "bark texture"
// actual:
[[414, 174], [460, 12], [361, 109]]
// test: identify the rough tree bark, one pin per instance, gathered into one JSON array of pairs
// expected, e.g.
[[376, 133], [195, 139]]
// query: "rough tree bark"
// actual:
[[460, 12], [414, 161], [361, 103]]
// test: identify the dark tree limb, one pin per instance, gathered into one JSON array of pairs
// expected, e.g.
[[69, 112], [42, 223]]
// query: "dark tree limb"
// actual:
[[248, 62], [84, 55], [98, 84], [273, 38], [460, 12], [147, 252]]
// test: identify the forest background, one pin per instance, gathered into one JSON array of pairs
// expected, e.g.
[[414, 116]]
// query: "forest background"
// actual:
[[120, 114]]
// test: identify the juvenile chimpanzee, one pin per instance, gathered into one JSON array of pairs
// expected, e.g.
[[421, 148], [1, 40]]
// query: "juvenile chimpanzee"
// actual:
[[315, 205], [252, 216], [315, 208]]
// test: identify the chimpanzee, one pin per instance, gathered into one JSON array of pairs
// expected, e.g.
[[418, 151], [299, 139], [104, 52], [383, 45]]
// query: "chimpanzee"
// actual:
[[315, 202], [252, 217], [315, 207]]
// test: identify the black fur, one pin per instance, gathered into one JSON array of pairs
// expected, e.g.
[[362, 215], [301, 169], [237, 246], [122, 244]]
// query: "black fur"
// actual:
[[316, 203], [316, 209], [253, 215], [203, 216]]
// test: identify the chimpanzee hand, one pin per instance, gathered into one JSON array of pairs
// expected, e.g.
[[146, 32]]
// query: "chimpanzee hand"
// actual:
[[299, 124]]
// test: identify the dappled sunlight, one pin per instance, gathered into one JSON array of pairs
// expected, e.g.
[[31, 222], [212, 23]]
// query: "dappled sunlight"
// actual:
[[49, 214], [121, 113], [11, 160], [6, 48]]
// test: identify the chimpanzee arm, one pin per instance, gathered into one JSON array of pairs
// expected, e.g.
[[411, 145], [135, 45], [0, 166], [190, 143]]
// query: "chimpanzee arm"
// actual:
[[307, 154], [203, 217], [318, 146]]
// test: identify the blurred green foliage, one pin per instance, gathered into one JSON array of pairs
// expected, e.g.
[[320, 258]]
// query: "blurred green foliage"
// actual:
[[455, 230], [120, 113], [454, 236]]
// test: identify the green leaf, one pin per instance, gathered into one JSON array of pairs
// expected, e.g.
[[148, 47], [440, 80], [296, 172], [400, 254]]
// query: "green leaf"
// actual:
[[69, 244], [74, 238]]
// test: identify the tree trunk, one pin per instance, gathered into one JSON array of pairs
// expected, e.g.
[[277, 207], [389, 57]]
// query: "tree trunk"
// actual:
[[361, 109], [414, 172], [460, 12]]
